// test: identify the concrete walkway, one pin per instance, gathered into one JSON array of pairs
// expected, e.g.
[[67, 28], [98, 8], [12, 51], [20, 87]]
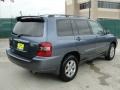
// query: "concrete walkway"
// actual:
[[99, 75]]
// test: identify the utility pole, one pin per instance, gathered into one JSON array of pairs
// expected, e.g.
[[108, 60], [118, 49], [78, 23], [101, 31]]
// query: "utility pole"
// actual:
[[89, 9]]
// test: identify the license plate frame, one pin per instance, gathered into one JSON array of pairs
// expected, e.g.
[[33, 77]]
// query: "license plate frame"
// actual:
[[20, 46]]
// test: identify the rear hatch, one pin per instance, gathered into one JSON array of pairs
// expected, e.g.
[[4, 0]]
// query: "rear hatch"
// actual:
[[26, 36]]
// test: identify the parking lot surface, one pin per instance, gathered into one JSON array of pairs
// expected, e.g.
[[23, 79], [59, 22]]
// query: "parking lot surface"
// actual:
[[99, 75]]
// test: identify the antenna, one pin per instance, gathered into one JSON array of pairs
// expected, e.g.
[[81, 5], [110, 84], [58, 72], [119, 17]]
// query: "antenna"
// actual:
[[20, 13]]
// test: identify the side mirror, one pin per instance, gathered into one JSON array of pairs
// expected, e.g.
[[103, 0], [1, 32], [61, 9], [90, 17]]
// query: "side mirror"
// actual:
[[101, 33], [107, 32]]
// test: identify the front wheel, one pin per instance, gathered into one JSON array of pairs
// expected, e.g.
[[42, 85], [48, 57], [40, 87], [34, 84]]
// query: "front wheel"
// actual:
[[111, 52], [69, 68]]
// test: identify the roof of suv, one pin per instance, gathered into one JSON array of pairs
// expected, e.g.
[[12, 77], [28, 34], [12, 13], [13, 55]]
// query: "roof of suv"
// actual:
[[42, 17]]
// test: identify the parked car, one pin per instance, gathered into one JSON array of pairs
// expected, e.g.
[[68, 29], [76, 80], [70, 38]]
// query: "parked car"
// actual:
[[58, 43]]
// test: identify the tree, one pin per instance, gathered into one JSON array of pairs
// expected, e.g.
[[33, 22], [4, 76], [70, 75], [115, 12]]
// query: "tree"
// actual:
[[2, 0], [10, 0]]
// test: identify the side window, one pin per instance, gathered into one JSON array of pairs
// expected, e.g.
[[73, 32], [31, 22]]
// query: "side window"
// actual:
[[64, 28], [96, 28], [83, 27]]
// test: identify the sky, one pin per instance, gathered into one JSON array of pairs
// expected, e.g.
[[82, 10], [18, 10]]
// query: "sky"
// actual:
[[31, 7]]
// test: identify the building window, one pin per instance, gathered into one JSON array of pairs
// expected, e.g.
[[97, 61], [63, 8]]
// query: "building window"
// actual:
[[111, 5], [85, 5]]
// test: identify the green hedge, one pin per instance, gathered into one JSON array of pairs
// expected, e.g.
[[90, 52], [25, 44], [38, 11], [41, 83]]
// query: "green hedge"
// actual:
[[112, 25], [6, 26]]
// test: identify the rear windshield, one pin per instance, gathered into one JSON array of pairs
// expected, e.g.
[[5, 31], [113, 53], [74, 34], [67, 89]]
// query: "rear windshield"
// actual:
[[29, 28]]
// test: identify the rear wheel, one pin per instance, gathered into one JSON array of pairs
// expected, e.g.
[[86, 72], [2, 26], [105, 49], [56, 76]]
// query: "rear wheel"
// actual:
[[69, 68], [111, 52]]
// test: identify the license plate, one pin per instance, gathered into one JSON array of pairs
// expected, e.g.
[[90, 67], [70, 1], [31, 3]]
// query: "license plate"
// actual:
[[20, 46]]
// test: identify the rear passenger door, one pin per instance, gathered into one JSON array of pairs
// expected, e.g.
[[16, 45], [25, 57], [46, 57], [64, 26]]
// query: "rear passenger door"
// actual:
[[65, 37], [85, 40]]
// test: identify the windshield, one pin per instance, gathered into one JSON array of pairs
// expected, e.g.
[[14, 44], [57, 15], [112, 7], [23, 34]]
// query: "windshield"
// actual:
[[29, 28]]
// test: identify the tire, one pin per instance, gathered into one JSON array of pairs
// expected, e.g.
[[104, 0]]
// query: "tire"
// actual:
[[111, 52], [69, 68]]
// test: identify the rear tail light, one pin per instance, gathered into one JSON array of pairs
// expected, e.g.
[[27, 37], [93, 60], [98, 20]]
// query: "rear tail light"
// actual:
[[45, 49]]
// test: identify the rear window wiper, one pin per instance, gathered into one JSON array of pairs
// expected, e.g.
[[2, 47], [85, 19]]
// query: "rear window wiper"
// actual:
[[19, 35], [23, 35]]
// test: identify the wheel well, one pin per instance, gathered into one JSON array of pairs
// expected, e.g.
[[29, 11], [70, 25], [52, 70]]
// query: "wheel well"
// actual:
[[75, 53], [113, 43]]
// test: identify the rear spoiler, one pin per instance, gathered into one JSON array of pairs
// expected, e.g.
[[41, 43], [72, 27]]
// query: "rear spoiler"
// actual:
[[30, 19]]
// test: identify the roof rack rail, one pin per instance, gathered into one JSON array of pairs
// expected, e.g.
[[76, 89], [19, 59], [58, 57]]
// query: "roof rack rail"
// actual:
[[50, 15], [63, 15]]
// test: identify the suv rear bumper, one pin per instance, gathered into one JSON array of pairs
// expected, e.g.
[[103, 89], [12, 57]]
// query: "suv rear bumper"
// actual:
[[37, 64]]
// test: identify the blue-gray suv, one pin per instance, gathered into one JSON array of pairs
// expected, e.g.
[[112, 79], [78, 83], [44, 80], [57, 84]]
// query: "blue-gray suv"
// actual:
[[58, 43]]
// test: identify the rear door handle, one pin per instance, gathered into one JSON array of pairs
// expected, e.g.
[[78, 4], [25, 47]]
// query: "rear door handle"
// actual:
[[78, 38]]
